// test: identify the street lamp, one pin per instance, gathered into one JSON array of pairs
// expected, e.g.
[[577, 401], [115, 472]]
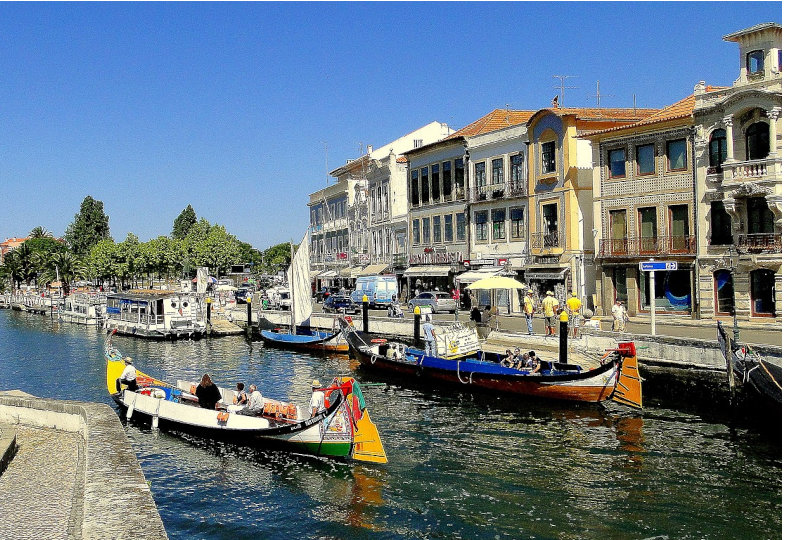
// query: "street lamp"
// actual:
[[731, 264]]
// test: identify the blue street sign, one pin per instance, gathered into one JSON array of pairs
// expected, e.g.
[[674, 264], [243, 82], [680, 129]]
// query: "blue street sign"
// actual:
[[658, 265]]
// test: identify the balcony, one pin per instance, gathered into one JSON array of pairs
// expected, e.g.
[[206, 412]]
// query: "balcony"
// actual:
[[759, 169], [516, 189], [549, 240], [760, 243], [644, 247], [489, 192]]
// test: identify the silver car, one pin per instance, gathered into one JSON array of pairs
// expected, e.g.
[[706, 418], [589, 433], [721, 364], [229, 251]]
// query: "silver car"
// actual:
[[437, 301]]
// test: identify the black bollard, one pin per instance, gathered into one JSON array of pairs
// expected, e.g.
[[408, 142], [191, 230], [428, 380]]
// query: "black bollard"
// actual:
[[563, 331], [250, 320], [417, 325], [209, 302], [365, 313]]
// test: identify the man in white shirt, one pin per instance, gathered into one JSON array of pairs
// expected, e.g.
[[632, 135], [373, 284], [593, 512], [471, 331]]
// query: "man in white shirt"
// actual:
[[128, 377], [429, 334], [255, 403], [317, 399]]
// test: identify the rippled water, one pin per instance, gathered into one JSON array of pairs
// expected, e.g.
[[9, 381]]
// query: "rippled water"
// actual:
[[461, 466]]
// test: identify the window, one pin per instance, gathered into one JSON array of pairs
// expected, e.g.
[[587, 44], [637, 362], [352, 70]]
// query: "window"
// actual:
[[671, 290], [647, 223], [417, 143], [620, 283], [497, 171], [757, 139], [426, 231], [680, 227], [762, 292], [479, 174], [436, 187], [424, 185], [437, 229], [618, 220], [549, 157], [415, 188], [448, 228], [481, 225], [718, 148], [516, 223], [755, 62], [498, 217], [415, 231], [644, 155], [550, 226], [723, 292], [720, 225], [516, 172], [460, 227], [616, 163], [677, 155], [460, 192], [760, 219], [447, 179]]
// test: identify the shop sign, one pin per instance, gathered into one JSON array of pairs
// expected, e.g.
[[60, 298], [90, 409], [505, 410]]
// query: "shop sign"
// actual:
[[436, 258], [483, 262], [342, 256]]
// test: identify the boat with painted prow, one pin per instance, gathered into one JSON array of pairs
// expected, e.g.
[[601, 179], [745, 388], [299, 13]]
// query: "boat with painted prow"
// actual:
[[746, 368], [300, 335], [343, 429], [461, 362]]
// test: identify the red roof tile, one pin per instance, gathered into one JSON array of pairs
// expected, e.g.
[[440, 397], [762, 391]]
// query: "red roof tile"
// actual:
[[496, 119]]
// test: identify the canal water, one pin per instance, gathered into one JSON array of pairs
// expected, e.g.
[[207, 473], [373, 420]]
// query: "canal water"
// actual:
[[460, 466]]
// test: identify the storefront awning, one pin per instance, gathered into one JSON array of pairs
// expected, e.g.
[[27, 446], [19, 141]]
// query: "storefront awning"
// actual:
[[475, 275], [556, 274], [315, 273], [350, 272], [328, 274], [427, 271], [373, 269]]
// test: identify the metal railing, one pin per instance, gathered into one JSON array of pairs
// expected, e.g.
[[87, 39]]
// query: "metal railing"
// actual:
[[760, 243], [660, 245], [546, 240]]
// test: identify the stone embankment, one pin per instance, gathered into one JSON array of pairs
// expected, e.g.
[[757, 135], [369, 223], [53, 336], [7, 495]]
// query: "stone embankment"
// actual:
[[73, 475]]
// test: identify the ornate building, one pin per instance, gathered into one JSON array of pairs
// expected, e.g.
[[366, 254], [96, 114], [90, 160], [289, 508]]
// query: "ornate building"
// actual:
[[738, 146]]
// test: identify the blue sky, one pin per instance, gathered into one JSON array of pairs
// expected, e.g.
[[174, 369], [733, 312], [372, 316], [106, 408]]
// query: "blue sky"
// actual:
[[228, 107]]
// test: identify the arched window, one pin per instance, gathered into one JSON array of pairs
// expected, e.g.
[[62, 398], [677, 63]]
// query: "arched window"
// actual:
[[718, 150], [723, 292], [757, 138]]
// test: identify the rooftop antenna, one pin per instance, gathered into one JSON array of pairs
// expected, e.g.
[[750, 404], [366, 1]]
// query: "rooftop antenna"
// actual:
[[326, 166], [634, 106], [562, 88], [598, 95], [507, 108]]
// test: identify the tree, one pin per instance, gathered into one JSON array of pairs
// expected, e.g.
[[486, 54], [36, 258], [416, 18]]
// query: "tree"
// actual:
[[40, 232], [89, 227], [65, 265], [277, 257], [183, 223]]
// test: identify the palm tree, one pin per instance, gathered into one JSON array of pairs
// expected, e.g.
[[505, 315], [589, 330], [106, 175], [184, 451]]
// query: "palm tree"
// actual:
[[13, 268], [40, 232], [68, 266]]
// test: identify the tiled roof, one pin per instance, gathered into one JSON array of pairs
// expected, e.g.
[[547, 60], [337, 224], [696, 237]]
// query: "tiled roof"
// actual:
[[603, 113], [496, 119], [402, 159]]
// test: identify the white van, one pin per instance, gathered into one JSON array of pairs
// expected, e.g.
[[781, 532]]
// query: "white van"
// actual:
[[380, 290]]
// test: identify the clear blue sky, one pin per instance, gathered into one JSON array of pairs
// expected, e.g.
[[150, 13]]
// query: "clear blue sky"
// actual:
[[228, 106]]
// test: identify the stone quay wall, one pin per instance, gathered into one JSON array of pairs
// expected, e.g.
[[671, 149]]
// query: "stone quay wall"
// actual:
[[116, 501]]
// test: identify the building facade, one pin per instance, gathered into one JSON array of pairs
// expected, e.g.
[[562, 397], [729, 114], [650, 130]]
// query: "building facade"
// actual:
[[738, 147]]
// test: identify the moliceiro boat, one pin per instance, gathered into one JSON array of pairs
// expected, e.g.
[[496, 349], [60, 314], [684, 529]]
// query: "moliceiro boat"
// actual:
[[343, 429], [460, 362], [300, 335], [155, 314], [749, 370]]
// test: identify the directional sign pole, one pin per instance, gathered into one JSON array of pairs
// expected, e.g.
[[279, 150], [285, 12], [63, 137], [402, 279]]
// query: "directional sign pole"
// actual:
[[651, 302]]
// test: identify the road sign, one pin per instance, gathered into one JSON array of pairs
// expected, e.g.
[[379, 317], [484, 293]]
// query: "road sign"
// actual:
[[653, 266]]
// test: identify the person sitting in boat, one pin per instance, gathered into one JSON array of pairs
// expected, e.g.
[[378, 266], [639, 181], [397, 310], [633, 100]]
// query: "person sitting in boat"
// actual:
[[255, 403], [509, 359], [207, 393], [128, 377], [317, 398], [533, 362], [520, 359], [242, 397]]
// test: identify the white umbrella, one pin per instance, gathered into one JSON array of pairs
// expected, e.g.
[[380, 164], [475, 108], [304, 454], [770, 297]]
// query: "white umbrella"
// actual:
[[496, 282], [226, 288]]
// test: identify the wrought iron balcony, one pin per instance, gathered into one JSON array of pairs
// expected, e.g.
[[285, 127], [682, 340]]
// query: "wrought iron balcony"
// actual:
[[760, 243], [547, 240], [635, 247], [516, 189]]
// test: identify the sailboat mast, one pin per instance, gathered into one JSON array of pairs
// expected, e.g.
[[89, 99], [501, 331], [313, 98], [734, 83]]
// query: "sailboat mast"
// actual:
[[292, 272]]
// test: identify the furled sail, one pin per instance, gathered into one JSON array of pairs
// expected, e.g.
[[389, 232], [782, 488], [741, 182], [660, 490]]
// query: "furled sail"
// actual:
[[300, 285]]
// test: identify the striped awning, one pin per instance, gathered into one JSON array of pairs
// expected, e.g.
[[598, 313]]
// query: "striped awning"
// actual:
[[373, 269], [475, 275], [350, 272], [428, 271]]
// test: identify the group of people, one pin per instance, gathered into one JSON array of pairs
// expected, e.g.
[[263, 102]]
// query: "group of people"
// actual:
[[516, 360], [550, 310]]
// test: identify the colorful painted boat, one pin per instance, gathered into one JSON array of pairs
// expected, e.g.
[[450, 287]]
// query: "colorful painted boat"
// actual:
[[307, 340], [751, 371], [616, 377], [344, 429]]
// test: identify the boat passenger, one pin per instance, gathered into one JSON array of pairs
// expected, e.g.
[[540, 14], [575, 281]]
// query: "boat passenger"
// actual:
[[128, 377], [519, 359], [208, 394], [533, 362], [429, 334], [242, 397], [255, 403], [508, 360], [317, 398]]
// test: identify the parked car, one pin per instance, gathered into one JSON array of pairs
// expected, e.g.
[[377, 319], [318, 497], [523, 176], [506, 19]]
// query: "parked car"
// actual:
[[243, 294], [380, 290], [322, 294], [339, 302], [437, 301]]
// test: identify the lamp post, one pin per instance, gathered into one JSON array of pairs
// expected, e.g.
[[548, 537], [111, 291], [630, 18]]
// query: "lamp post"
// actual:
[[732, 265]]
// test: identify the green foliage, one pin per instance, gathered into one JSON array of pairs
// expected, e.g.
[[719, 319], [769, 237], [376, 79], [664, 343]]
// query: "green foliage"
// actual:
[[183, 223], [249, 254], [277, 257], [40, 232], [89, 227]]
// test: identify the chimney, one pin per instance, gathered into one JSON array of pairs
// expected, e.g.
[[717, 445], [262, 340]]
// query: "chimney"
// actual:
[[370, 148]]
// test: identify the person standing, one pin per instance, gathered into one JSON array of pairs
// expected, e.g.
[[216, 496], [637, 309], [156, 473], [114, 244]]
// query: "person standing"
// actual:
[[618, 316], [549, 308], [574, 306], [429, 334], [456, 295], [317, 398], [528, 310]]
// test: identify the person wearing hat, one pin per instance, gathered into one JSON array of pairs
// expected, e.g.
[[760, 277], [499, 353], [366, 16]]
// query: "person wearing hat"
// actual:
[[528, 310], [317, 398], [128, 377], [574, 306], [550, 306]]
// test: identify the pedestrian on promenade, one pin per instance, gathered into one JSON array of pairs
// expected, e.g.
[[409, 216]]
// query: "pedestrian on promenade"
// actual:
[[620, 316], [549, 308], [128, 377], [207, 393], [429, 334], [456, 295], [528, 310], [574, 306]]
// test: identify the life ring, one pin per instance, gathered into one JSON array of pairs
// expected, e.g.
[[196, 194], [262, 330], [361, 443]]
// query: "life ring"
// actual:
[[379, 341]]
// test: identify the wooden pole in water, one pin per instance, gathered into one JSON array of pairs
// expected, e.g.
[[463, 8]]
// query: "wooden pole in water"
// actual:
[[563, 331]]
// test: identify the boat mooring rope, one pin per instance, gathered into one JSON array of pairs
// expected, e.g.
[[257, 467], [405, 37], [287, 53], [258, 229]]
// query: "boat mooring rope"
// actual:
[[458, 372]]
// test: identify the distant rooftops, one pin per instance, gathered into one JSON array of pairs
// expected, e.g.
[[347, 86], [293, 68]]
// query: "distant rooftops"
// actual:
[[734, 36]]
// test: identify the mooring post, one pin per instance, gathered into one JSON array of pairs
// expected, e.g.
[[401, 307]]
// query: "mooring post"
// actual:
[[365, 313], [209, 302], [563, 331], [250, 321], [417, 325]]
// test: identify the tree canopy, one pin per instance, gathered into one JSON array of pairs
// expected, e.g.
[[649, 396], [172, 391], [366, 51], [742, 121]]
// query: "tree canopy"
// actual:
[[90, 226], [183, 223]]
